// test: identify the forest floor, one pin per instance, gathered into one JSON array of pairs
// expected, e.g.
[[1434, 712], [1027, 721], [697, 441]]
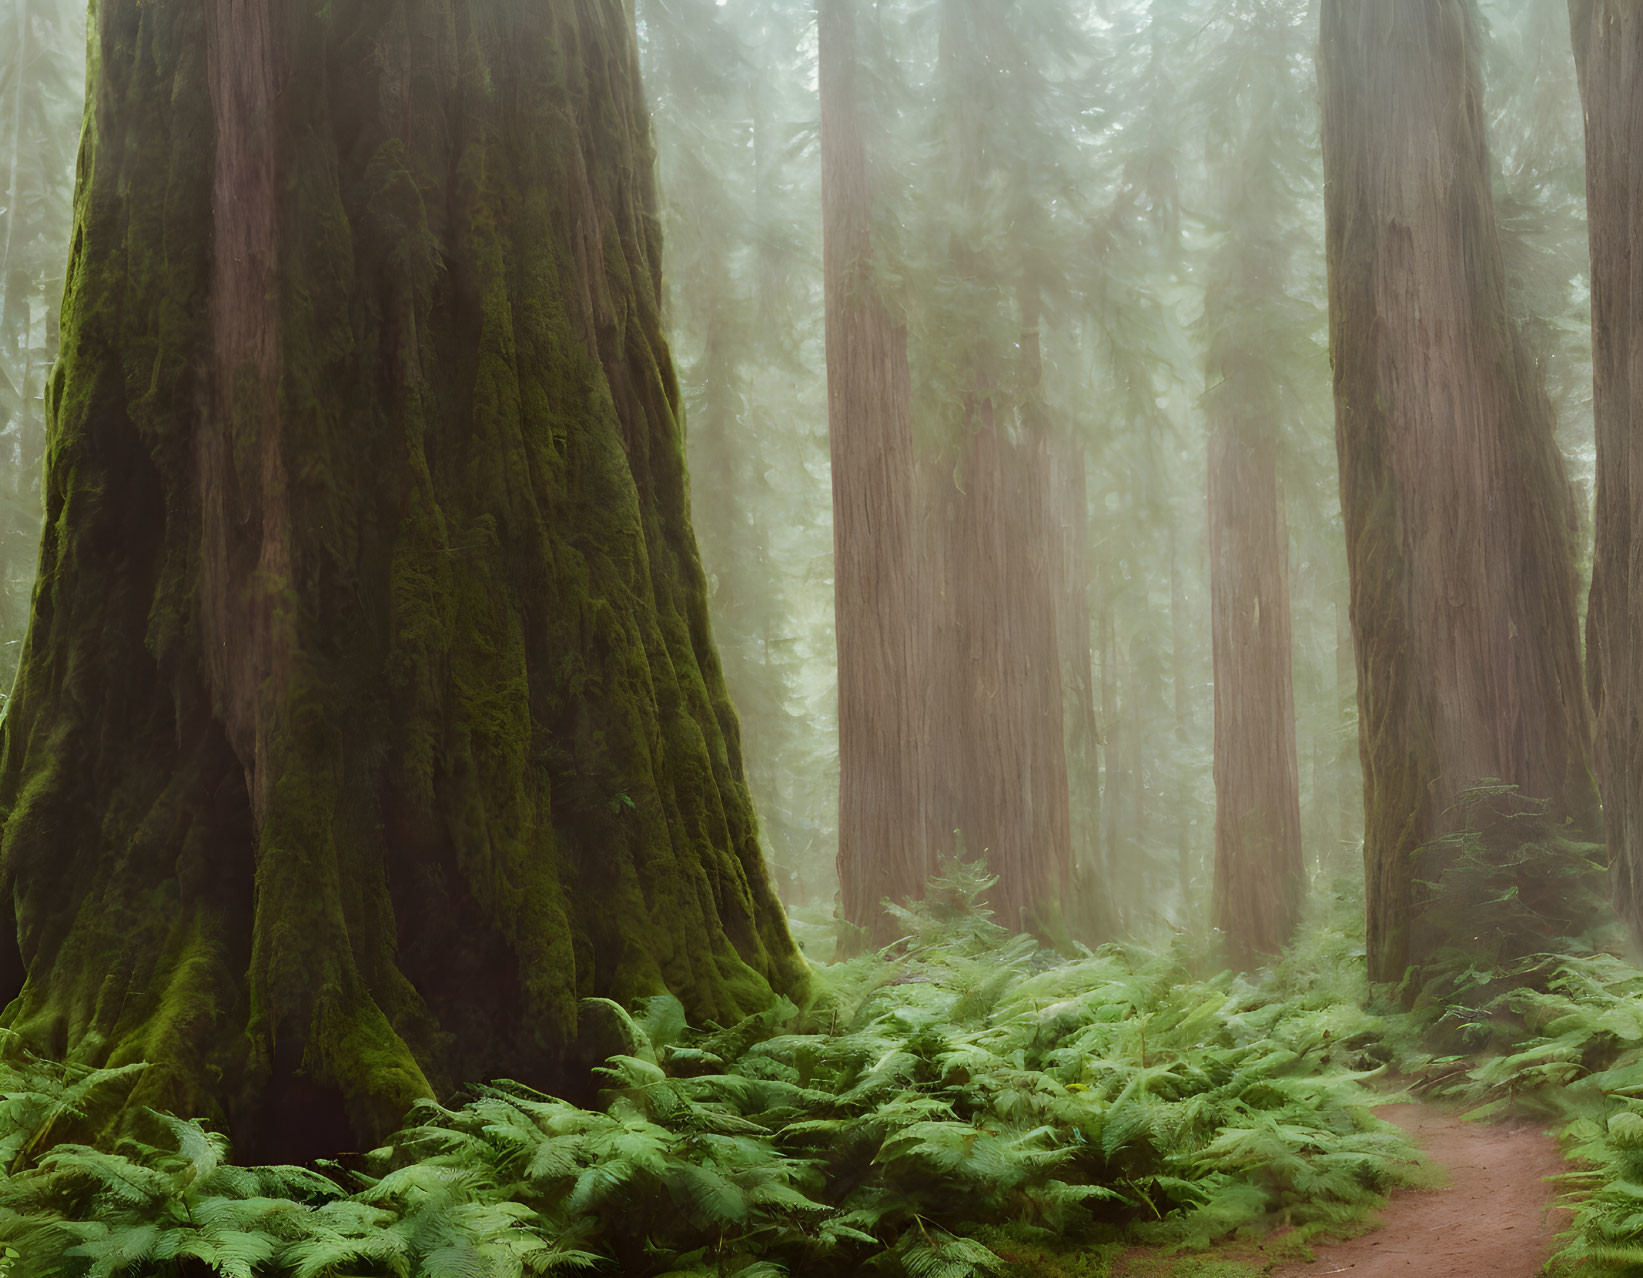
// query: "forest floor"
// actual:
[[1492, 1212], [1494, 1217]]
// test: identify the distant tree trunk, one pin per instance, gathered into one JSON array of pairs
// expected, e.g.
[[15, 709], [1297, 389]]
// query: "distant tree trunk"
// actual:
[[883, 852], [1259, 874], [369, 717], [998, 751], [1062, 525], [997, 726], [1091, 915], [1348, 769], [1459, 517], [716, 478], [1111, 790], [1181, 690], [1180, 680], [39, 112], [1608, 42], [22, 56]]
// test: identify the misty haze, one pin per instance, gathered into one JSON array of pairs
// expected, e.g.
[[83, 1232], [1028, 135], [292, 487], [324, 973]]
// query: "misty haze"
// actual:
[[739, 638]]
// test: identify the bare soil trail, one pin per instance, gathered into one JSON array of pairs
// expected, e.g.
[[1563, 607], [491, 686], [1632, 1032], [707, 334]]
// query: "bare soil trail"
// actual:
[[1494, 1219]]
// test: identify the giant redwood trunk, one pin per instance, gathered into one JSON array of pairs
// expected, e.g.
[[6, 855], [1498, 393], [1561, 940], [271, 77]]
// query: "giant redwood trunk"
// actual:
[[1458, 515], [369, 716], [1608, 40], [882, 850]]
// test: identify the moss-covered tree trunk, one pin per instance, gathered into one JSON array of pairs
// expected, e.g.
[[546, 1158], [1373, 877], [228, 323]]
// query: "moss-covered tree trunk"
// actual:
[[1608, 41], [882, 850], [369, 716], [1459, 518]]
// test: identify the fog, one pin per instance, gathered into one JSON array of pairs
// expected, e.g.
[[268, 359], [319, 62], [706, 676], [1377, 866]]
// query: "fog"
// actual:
[[974, 637], [1148, 178], [1154, 170]]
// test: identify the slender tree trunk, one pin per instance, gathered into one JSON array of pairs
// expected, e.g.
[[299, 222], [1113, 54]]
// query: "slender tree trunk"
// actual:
[[716, 476], [1141, 810], [1181, 699], [1090, 914], [1071, 543], [1325, 839], [1259, 875], [1055, 604], [882, 849], [1459, 518], [1608, 42], [1111, 789], [1348, 770], [1180, 680], [22, 56], [369, 717], [19, 549]]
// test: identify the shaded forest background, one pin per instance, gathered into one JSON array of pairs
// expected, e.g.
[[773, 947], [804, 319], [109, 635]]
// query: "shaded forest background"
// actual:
[[1122, 188], [1120, 193]]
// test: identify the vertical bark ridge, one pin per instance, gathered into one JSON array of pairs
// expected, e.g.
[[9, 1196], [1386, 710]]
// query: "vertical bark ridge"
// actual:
[[1459, 517], [1608, 44], [998, 750], [241, 467], [999, 787], [883, 851], [1260, 878], [369, 716], [1070, 537], [1259, 875]]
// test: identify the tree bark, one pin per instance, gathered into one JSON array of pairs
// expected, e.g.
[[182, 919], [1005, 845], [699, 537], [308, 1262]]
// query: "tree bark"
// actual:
[[999, 752], [1180, 680], [882, 850], [1459, 517], [1259, 875], [1348, 772], [369, 716], [999, 788], [1608, 43], [1090, 911], [1112, 790], [23, 56]]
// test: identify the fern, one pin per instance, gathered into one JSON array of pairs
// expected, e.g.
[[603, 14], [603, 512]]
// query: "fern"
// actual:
[[962, 1077]]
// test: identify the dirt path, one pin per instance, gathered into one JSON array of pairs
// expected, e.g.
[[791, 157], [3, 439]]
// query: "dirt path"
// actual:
[[1491, 1221]]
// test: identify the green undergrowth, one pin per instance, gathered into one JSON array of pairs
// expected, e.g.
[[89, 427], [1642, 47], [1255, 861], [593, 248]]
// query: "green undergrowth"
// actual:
[[1526, 1010], [963, 1103], [958, 1105], [1557, 1037]]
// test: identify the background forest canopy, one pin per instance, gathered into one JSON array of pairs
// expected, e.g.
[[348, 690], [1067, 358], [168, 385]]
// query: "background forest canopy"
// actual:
[[1153, 171], [1125, 163]]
